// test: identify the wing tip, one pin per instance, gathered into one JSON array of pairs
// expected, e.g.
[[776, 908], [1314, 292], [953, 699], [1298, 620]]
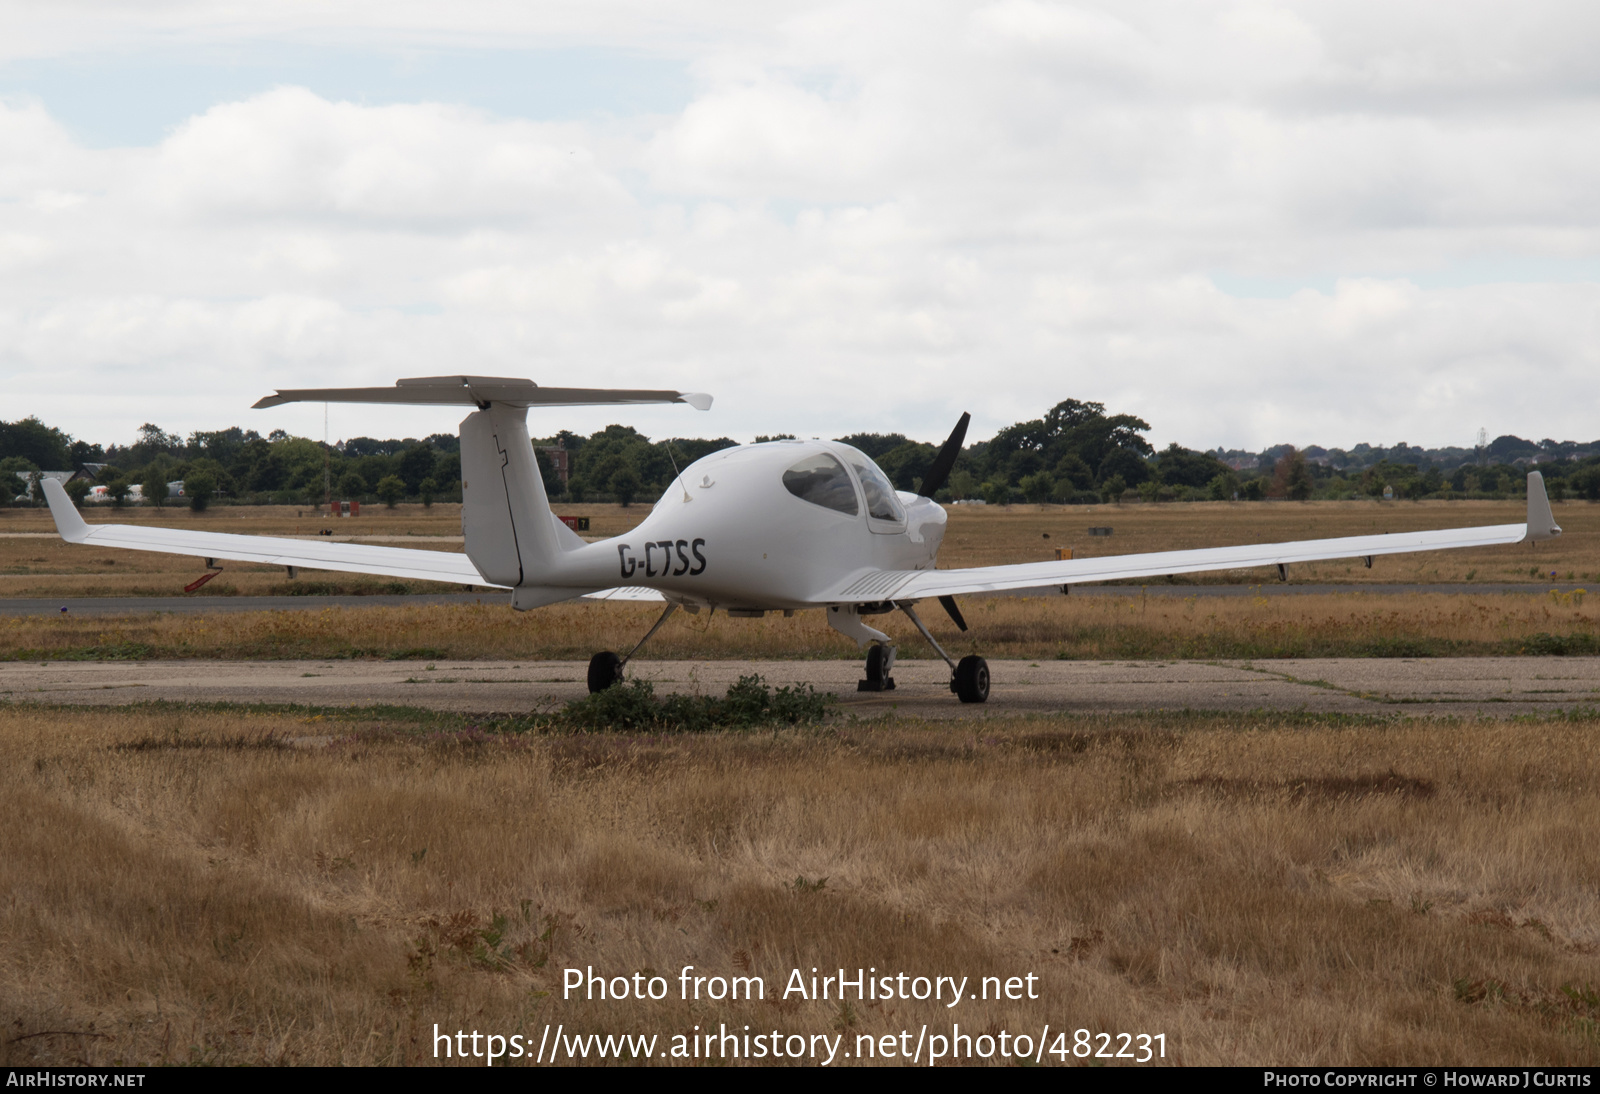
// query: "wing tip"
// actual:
[[70, 524]]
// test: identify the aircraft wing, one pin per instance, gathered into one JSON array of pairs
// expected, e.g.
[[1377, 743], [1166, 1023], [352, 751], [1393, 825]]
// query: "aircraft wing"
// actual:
[[883, 585], [355, 558]]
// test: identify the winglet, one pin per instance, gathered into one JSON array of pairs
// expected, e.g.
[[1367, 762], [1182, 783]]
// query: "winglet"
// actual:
[[1541, 522], [69, 523]]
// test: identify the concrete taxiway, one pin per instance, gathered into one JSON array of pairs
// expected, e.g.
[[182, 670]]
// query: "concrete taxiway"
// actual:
[[1433, 686]]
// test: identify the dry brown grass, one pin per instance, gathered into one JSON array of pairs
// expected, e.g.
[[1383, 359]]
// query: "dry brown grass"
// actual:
[[977, 536], [1073, 627], [187, 886], [1080, 627]]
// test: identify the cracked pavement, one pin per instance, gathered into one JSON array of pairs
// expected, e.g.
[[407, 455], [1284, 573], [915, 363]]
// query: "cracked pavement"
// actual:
[[1495, 686]]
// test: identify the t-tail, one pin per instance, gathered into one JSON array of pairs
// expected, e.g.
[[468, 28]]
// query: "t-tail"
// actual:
[[511, 534]]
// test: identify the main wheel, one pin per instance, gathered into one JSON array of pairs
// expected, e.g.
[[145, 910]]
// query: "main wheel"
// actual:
[[875, 664], [971, 684], [605, 669]]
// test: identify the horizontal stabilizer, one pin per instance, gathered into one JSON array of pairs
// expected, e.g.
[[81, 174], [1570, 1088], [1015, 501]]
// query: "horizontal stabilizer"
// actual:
[[480, 391]]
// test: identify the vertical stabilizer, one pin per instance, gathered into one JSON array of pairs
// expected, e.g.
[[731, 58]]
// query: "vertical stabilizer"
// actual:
[[505, 515]]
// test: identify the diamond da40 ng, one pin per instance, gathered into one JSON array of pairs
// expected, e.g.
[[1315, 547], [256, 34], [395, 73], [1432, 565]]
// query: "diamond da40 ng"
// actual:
[[780, 526]]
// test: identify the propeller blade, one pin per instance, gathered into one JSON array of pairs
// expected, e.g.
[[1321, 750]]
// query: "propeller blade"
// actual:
[[948, 603], [945, 461]]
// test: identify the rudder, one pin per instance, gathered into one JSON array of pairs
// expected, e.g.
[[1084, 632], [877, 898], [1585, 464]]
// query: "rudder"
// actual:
[[505, 514]]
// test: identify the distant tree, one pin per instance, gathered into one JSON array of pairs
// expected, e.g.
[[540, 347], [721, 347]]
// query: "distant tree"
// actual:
[[1585, 483], [15, 478], [1223, 487], [154, 441], [42, 445], [1125, 463], [963, 485], [874, 444], [625, 484], [391, 488], [996, 493], [1113, 488], [1179, 466], [1291, 478], [1038, 487], [82, 452], [117, 490], [548, 474], [155, 490], [77, 490], [199, 487], [1072, 468], [427, 488], [352, 485], [416, 464], [907, 464]]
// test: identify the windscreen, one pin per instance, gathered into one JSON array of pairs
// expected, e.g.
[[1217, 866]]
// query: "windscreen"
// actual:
[[881, 502], [822, 480]]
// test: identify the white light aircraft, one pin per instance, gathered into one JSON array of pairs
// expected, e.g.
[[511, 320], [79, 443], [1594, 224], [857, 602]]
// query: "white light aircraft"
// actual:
[[781, 526]]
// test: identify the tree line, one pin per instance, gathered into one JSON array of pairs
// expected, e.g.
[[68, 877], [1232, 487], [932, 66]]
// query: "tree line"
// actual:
[[1076, 453]]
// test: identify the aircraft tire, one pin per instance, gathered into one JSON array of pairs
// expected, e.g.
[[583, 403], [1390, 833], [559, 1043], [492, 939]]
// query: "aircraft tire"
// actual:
[[605, 669], [875, 671], [972, 680]]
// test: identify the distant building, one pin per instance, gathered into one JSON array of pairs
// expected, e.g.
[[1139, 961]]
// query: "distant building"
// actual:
[[557, 457]]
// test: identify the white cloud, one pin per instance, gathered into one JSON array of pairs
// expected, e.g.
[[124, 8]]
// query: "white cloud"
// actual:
[[866, 218]]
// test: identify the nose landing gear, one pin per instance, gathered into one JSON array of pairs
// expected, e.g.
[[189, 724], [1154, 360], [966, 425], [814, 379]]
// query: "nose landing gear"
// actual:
[[880, 660]]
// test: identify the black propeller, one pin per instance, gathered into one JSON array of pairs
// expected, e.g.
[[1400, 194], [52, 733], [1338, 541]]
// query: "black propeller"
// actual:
[[949, 605], [942, 464]]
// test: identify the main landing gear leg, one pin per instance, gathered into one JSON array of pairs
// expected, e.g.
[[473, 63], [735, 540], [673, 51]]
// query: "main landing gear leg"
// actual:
[[969, 679], [605, 667]]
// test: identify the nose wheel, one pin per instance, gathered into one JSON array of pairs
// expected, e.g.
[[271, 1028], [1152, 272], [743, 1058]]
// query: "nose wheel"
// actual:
[[880, 659]]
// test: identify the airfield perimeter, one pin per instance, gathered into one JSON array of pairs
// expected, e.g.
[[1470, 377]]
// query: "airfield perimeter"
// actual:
[[72, 634], [292, 860], [1475, 686]]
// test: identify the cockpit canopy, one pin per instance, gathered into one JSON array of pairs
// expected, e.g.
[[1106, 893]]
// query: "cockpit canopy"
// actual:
[[881, 502], [821, 479]]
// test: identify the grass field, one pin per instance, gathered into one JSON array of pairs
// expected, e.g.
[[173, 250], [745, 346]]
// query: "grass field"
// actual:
[[239, 886], [1081, 627], [977, 536], [1078, 628]]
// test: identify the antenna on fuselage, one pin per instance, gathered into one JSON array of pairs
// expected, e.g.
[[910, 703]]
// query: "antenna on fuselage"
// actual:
[[686, 497]]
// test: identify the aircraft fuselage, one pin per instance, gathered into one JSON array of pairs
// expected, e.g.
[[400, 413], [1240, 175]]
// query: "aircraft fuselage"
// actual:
[[727, 534]]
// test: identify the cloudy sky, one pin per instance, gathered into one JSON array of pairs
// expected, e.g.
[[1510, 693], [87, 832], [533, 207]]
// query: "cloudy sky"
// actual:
[[1247, 222]]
